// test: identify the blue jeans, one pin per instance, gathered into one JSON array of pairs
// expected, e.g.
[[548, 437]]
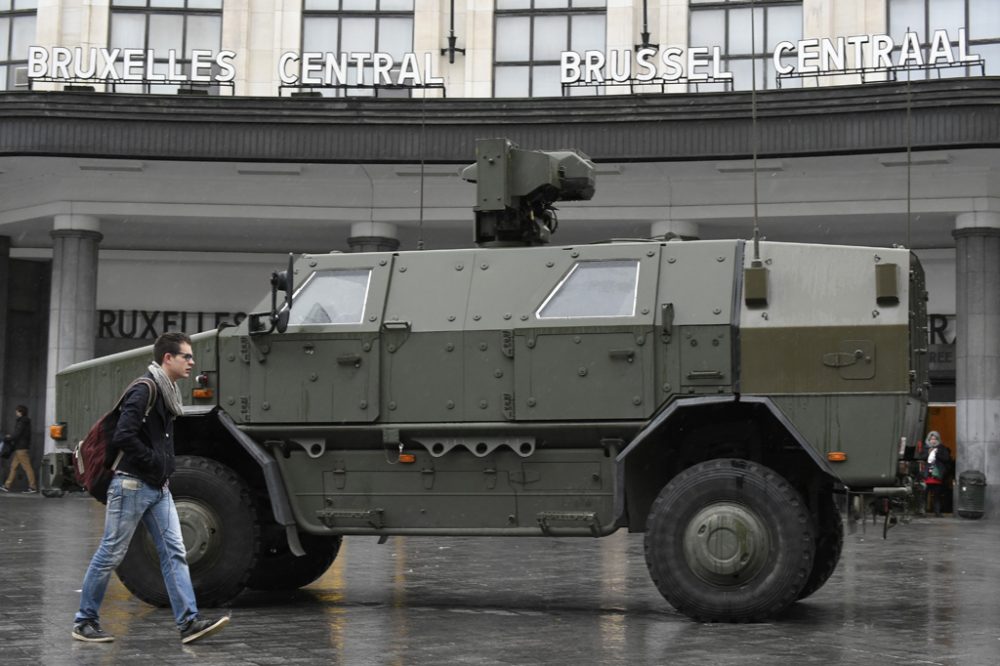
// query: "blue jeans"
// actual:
[[129, 501]]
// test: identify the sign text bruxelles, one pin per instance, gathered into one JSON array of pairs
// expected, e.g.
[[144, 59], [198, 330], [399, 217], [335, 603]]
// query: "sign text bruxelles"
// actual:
[[148, 324]]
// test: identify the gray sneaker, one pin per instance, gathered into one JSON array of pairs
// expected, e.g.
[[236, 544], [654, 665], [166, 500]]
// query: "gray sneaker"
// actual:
[[90, 631], [196, 629]]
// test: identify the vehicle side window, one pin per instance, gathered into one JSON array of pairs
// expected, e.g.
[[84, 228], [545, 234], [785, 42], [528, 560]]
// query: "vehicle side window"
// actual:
[[331, 297], [594, 289]]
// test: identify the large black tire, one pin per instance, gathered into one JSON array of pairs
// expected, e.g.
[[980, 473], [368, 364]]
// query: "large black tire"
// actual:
[[279, 569], [219, 525], [829, 544], [729, 540]]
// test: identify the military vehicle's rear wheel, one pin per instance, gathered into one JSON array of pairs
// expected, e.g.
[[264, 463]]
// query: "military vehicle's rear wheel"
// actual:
[[729, 540], [279, 569], [218, 523], [829, 543]]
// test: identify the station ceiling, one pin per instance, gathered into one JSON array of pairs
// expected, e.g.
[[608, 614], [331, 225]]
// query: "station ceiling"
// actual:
[[877, 164]]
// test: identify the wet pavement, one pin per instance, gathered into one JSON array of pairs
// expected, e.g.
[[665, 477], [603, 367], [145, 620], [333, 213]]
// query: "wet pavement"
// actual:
[[928, 595]]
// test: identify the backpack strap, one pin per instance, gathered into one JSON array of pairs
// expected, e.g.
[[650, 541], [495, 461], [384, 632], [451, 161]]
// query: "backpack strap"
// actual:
[[151, 385]]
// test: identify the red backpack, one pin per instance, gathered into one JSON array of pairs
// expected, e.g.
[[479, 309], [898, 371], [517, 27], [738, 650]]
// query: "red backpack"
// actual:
[[90, 467]]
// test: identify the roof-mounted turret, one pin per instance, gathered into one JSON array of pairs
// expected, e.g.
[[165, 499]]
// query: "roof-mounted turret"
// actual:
[[515, 190]]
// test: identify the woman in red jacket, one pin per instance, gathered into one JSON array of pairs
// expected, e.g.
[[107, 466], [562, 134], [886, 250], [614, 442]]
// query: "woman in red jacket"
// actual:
[[938, 467]]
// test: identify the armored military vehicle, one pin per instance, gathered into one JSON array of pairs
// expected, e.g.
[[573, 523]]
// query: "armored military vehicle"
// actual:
[[715, 395]]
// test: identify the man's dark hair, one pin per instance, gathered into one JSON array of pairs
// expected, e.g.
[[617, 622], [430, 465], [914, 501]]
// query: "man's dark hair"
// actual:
[[22, 410], [169, 343]]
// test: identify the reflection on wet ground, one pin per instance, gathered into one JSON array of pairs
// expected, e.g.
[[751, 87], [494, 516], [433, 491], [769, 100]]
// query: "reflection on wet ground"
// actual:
[[928, 595]]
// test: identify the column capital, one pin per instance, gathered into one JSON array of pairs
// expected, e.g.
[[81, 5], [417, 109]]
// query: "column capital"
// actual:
[[979, 232], [76, 221], [980, 223], [373, 237], [95, 236], [678, 228]]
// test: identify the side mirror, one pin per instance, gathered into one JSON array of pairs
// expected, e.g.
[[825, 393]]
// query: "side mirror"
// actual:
[[282, 323], [285, 281]]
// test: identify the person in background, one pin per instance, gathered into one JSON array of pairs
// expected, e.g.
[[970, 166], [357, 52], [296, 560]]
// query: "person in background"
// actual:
[[21, 441], [938, 469]]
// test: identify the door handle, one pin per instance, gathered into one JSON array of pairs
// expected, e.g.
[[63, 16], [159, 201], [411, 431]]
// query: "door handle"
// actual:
[[627, 355], [349, 359]]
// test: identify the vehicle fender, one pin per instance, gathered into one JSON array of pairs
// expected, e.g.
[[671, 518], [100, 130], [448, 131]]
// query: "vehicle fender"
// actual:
[[276, 491], [670, 410]]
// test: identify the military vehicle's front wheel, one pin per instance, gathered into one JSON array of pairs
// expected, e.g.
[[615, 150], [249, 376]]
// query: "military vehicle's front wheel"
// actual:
[[219, 526], [729, 540]]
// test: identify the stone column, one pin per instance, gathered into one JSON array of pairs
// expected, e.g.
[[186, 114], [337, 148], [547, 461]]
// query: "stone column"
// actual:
[[977, 349], [373, 237], [675, 229], [73, 301], [4, 318]]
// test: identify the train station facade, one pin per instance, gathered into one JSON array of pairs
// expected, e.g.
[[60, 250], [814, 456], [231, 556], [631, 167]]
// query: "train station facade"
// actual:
[[159, 158]]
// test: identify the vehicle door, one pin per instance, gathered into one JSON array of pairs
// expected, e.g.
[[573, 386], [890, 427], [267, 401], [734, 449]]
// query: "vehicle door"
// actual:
[[586, 351], [325, 367]]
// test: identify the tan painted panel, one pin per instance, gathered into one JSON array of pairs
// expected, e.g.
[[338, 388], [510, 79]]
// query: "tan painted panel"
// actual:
[[810, 359]]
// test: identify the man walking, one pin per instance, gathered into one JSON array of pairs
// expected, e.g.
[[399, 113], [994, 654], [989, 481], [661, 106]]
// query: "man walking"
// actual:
[[21, 441], [140, 491]]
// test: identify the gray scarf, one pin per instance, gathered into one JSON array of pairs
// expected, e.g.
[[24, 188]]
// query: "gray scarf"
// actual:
[[168, 389]]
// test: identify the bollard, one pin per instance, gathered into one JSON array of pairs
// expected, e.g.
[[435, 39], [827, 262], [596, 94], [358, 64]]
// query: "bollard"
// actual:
[[971, 494]]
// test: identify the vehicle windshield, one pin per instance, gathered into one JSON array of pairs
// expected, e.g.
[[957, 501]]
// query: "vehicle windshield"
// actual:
[[331, 297]]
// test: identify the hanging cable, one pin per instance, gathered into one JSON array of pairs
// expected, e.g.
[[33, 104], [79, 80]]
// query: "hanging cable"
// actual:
[[753, 127], [423, 132], [909, 154]]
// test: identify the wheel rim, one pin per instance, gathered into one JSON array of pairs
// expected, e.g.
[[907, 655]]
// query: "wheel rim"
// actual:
[[726, 544], [199, 529]]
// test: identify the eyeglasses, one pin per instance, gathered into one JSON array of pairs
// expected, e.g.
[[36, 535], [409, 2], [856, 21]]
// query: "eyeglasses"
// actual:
[[186, 357]]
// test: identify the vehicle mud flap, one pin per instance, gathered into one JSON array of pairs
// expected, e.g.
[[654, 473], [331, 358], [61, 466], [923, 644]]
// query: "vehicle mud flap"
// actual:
[[276, 491]]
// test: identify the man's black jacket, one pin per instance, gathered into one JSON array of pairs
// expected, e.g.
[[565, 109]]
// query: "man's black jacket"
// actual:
[[22, 433], [149, 444]]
